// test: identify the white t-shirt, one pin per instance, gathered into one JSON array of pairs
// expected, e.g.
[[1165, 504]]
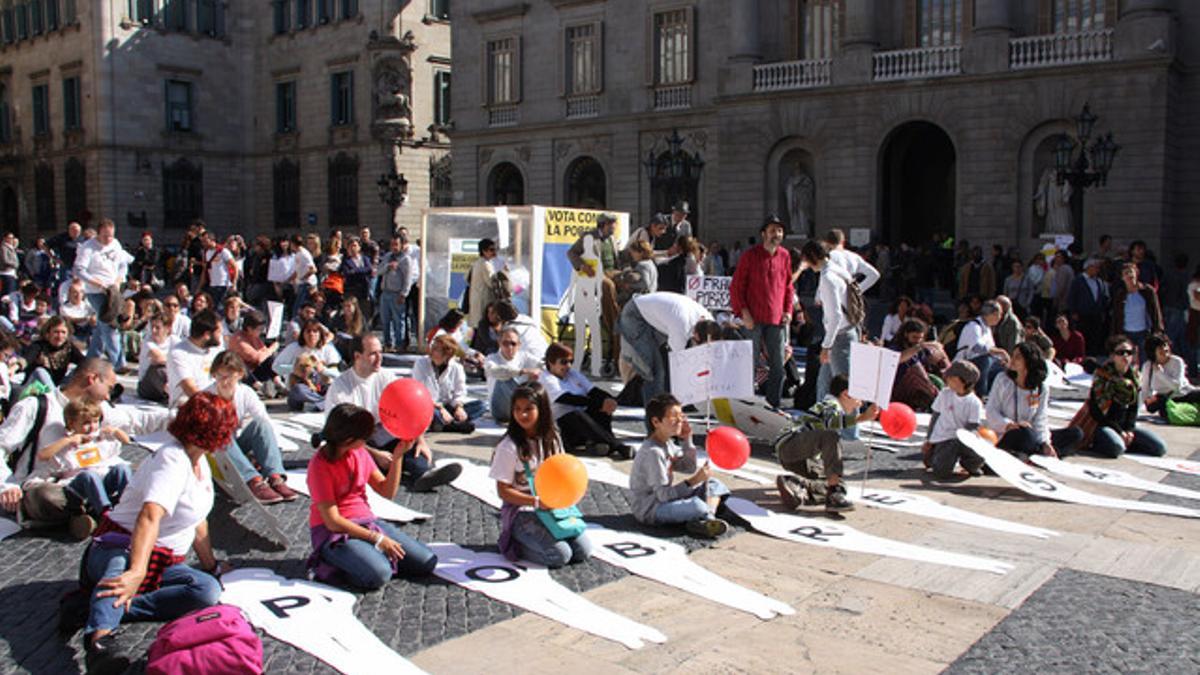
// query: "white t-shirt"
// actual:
[[149, 344], [497, 368], [447, 389], [673, 315], [284, 361], [854, 265], [98, 455], [186, 361], [100, 266], [362, 392], [507, 468], [955, 412], [78, 312], [166, 478], [218, 260], [974, 340], [574, 383], [247, 404], [303, 260]]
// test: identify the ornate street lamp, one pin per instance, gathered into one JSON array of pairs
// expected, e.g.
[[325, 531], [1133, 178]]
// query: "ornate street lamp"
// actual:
[[1091, 164], [393, 189], [676, 169]]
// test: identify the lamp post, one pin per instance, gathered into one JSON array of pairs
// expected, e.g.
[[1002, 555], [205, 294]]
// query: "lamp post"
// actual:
[[393, 191], [676, 169], [1090, 165]]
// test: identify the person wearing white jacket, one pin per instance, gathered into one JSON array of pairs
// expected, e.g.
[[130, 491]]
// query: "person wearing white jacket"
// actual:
[[850, 261], [446, 381], [101, 264], [506, 370], [832, 293], [1164, 377]]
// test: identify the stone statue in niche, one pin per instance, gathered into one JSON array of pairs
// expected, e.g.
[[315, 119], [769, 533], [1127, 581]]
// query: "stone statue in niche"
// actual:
[[393, 92], [1052, 202], [800, 192]]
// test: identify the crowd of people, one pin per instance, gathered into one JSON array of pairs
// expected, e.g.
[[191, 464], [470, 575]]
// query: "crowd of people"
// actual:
[[217, 330]]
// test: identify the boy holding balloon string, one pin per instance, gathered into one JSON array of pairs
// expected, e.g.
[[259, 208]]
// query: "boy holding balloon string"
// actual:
[[657, 499]]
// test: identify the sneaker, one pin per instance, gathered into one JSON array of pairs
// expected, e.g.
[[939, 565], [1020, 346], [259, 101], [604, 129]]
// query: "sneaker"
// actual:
[[263, 492], [279, 485], [623, 451], [835, 500], [599, 449], [435, 477], [105, 656], [81, 526], [791, 491], [710, 528]]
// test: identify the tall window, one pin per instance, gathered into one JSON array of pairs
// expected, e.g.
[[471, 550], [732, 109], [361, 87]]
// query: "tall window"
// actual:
[[324, 11], [37, 17], [441, 97], [75, 188], [939, 22], [503, 71], [818, 28], [179, 105], [673, 46], [8, 28], [51, 15], [302, 17], [285, 107], [343, 191], [72, 114], [5, 128], [182, 193], [341, 98], [175, 15], [142, 11], [440, 9], [41, 109], [287, 194], [206, 17], [43, 196], [348, 9], [1074, 16], [441, 190], [22, 21], [283, 18], [585, 58]]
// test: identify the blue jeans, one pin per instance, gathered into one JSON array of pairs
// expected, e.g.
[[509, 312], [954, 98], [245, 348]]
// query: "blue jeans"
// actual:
[[537, 545], [989, 367], [99, 492], [500, 405], [690, 508], [366, 567], [218, 295], [771, 340], [184, 589], [472, 407], [645, 343], [1107, 443], [258, 439], [839, 361], [302, 291], [41, 375], [393, 315], [105, 340]]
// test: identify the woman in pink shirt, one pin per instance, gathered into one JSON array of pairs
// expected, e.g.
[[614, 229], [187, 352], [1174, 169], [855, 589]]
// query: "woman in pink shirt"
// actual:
[[348, 541]]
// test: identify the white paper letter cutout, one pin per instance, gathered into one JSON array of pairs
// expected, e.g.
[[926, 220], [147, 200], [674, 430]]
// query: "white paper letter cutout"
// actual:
[[1099, 474], [920, 505]]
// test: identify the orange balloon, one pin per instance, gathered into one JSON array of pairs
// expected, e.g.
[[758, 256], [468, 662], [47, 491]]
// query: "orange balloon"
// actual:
[[561, 481], [988, 435]]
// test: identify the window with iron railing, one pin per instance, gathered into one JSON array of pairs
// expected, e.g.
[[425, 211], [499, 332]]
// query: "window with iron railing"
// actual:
[[673, 46], [939, 23], [503, 68], [584, 59], [818, 29], [1078, 16]]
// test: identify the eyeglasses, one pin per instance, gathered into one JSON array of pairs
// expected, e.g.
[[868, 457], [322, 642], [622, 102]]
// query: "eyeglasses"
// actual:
[[510, 343], [1123, 352]]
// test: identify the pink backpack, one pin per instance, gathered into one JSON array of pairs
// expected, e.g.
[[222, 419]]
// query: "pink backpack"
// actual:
[[214, 640]]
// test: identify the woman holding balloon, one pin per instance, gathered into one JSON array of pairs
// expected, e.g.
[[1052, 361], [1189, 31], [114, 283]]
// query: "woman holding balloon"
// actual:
[[532, 444]]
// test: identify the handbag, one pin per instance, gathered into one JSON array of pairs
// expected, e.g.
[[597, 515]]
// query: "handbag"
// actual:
[[562, 524]]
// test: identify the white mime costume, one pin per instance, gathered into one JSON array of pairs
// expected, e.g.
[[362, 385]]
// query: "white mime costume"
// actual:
[[587, 306]]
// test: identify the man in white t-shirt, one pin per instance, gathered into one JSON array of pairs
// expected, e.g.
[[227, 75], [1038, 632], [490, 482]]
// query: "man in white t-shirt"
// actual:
[[977, 345], [860, 270], [101, 263], [190, 361], [220, 273], [648, 323], [304, 274], [363, 384]]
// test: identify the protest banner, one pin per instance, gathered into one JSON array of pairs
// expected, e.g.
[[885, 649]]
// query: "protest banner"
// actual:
[[712, 293], [1105, 476], [714, 370], [872, 373]]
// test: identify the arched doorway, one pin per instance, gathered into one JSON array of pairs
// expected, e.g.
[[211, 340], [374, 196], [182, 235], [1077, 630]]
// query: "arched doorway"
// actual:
[[505, 186], [918, 176], [9, 211], [587, 186]]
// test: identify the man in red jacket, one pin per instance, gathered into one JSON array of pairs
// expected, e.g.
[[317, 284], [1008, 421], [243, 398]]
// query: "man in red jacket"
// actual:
[[761, 294]]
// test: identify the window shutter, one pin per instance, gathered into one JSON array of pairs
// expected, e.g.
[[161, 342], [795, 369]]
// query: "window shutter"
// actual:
[[691, 43], [598, 59]]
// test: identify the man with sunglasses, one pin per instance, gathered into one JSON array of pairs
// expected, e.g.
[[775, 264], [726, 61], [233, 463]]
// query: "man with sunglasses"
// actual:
[[507, 369]]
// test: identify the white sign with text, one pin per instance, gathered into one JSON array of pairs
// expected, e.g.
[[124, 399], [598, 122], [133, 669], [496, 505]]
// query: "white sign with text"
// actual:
[[872, 373], [723, 369]]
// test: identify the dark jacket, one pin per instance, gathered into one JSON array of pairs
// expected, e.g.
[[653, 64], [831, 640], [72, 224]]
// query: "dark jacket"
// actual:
[[1080, 300], [1153, 309]]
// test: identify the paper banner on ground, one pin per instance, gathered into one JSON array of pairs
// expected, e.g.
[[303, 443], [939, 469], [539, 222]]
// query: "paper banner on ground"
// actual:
[[381, 506], [1168, 463], [1031, 481], [225, 475], [154, 441], [274, 319], [284, 428], [920, 505], [1099, 474], [474, 480], [530, 587], [313, 617], [723, 369], [8, 528], [668, 563], [603, 472], [754, 419], [312, 420], [872, 372], [828, 534]]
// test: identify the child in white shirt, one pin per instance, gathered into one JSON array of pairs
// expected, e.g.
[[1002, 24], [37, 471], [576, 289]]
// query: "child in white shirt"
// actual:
[[956, 407]]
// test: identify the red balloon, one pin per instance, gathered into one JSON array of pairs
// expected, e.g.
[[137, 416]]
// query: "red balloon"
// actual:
[[727, 448], [898, 421], [405, 409]]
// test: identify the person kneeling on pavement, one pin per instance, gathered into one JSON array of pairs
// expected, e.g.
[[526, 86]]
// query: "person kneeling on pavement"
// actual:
[[657, 500], [818, 433], [956, 407]]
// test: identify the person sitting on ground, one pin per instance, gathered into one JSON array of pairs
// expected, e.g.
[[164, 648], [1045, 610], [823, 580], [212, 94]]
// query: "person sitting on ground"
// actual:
[[921, 362], [530, 440], [189, 361], [485, 339], [657, 500], [956, 407], [348, 324], [348, 542], [134, 567], [313, 340], [583, 411], [444, 377], [1007, 333], [818, 432], [454, 324], [506, 370], [891, 322], [202, 302], [48, 358], [79, 313], [975, 344], [1164, 377], [1016, 408], [180, 324], [306, 386], [258, 356], [1068, 343], [363, 384], [308, 312], [152, 360], [19, 305], [9, 365], [255, 438], [1032, 332], [1109, 418], [232, 308]]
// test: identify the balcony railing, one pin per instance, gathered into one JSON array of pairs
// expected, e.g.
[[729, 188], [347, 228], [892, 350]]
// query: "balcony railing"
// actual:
[[676, 97], [579, 107], [792, 75], [911, 64], [502, 116], [1060, 49]]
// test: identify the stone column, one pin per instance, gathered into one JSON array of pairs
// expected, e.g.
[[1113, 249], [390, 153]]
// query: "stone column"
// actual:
[[986, 48], [992, 16], [744, 32], [1144, 30], [853, 64], [1132, 7]]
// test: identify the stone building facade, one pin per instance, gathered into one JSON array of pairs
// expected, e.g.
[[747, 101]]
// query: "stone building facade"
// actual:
[[259, 117], [911, 118]]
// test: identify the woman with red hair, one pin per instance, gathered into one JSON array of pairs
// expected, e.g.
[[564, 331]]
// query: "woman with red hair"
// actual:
[[134, 564]]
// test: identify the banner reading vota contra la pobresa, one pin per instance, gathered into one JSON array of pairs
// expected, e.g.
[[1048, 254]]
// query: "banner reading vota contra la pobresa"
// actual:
[[558, 230]]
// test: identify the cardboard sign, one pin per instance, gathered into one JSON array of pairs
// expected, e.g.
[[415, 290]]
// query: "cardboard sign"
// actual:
[[860, 236], [826, 533], [275, 319], [381, 506], [711, 292], [752, 418], [920, 505], [668, 563], [1034, 482], [1168, 463], [872, 373], [530, 587], [1097, 474], [279, 270], [313, 617], [722, 369]]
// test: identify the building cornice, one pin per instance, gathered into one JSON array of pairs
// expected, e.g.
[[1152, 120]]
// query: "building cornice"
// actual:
[[501, 13]]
